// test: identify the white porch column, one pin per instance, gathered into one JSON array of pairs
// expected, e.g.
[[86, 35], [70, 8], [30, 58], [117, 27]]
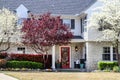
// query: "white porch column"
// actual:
[[53, 57], [111, 53]]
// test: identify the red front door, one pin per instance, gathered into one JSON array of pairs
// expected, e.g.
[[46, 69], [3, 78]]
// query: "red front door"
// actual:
[[65, 57]]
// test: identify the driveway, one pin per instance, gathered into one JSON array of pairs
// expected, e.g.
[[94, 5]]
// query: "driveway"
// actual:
[[6, 77]]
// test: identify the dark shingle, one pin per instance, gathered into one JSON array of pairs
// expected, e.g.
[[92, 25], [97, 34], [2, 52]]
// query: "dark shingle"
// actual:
[[70, 7]]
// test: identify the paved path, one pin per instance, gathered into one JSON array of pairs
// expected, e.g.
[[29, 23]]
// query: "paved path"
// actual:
[[6, 77]]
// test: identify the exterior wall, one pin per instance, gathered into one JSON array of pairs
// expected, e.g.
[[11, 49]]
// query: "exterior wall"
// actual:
[[28, 50], [22, 11], [94, 53], [77, 30], [92, 34], [13, 49]]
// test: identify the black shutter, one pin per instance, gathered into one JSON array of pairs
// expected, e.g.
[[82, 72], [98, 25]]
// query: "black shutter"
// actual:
[[72, 24], [81, 22]]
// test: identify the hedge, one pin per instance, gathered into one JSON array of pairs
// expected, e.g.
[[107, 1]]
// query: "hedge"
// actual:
[[30, 57], [103, 65], [24, 64], [27, 57]]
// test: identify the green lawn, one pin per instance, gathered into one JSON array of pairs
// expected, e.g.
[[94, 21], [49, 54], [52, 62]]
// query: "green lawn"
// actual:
[[65, 75]]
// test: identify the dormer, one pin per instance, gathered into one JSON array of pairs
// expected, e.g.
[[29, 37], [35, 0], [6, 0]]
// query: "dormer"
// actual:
[[22, 11]]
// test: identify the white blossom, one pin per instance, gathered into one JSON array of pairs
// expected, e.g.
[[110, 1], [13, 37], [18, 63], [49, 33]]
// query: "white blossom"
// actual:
[[109, 13], [8, 26]]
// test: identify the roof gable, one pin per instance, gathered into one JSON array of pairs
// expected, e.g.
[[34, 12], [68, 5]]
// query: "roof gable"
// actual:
[[22, 11]]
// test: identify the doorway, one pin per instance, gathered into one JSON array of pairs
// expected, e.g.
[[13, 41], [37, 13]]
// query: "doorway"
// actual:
[[65, 57]]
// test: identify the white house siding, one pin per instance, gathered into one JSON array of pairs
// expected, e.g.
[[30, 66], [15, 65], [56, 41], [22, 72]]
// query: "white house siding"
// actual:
[[92, 34]]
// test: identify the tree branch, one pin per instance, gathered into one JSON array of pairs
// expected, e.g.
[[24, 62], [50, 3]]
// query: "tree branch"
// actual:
[[8, 45]]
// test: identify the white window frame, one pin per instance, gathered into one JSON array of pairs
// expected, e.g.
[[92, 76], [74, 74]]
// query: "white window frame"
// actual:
[[111, 52]]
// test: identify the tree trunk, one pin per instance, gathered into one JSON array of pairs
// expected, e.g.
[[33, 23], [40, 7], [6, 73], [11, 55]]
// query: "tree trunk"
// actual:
[[117, 51], [45, 58]]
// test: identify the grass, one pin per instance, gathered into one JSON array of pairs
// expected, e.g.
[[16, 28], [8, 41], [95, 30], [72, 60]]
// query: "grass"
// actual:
[[64, 75]]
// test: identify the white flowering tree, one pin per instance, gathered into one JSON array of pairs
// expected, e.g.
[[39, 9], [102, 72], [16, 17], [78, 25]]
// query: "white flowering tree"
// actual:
[[9, 32], [107, 20]]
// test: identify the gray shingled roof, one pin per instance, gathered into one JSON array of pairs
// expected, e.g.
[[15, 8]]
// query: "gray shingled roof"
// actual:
[[70, 7]]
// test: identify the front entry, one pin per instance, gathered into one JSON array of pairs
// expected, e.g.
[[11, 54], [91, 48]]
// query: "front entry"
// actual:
[[65, 57]]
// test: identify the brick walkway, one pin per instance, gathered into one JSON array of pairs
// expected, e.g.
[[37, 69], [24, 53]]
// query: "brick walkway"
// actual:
[[6, 77]]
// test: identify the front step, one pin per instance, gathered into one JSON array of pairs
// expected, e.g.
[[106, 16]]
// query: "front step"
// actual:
[[71, 70]]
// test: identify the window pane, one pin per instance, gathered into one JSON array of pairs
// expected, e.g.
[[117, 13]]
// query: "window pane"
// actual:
[[106, 49], [21, 48], [114, 57], [106, 56], [67, 22], [114, 50]]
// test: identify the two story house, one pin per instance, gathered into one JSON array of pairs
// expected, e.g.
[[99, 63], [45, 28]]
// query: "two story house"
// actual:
[[83, 48]]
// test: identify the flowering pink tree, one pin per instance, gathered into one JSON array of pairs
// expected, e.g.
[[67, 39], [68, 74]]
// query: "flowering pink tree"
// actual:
[[44, 31]]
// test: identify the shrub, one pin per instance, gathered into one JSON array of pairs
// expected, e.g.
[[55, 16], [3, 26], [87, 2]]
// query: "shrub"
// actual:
[[3, 55], [102, 65], [30, 57], [24, 64], [34, 58], [116, 69], [2, 62]]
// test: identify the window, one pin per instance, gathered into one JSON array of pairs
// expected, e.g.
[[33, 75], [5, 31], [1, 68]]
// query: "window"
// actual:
[[114, 57], [69, 22], [21, 49], [109, 53], [106, 53], [83, 23]]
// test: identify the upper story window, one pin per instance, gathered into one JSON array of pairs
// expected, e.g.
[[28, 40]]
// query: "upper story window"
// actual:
[[83, 22], [69, 22]]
